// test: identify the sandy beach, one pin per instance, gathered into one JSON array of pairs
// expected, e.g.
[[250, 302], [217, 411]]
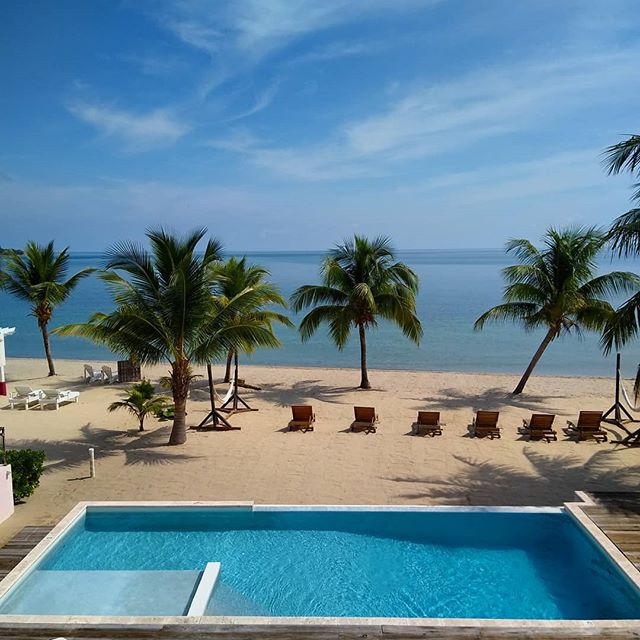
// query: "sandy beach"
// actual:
[[265, 462]]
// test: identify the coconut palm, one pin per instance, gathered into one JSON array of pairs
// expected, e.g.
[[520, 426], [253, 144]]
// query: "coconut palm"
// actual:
[[624, 236], [234, 276], [556, 288], [625, 156], [166, 312], [39, 276], [361, 282], [140, 402]]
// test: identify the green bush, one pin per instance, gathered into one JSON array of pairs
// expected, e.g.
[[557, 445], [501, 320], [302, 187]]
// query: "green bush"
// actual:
[[27, 466]]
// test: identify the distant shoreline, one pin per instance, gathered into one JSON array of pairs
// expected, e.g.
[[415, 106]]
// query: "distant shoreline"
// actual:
[[355, 370]]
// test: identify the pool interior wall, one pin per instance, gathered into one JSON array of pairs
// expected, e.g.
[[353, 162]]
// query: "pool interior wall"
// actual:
[[493, 564]]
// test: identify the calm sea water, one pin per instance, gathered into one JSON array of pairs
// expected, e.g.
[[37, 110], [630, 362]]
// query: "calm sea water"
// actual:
[[456, 287]]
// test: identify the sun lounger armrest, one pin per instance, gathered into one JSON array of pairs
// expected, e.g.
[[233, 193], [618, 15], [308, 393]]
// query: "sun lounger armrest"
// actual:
[[525, 423], [571, 425]]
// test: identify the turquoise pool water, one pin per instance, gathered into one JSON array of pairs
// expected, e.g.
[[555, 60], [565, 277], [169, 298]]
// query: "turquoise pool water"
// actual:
[[434, 564]]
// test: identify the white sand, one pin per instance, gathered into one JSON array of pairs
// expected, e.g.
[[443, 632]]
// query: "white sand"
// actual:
[[266, 463]]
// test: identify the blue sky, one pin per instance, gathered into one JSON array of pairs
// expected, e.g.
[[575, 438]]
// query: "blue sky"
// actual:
[[283, 124]]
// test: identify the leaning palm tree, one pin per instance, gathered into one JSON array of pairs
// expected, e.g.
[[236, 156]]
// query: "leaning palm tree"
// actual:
[[361, 282], [234, 276], [39, 276], [166, 312], [141, 402], [556, 288]]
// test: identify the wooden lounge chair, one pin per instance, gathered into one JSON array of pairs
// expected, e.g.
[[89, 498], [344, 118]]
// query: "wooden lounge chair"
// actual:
[[365, 419], [24, 396], [303, 418], [428, 424], [588, 426], [56, 397], [107, 374], [90, 375], [540, 427], [485, 423]]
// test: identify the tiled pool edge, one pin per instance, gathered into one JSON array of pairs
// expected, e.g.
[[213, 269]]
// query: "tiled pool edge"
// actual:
[[214, 622]]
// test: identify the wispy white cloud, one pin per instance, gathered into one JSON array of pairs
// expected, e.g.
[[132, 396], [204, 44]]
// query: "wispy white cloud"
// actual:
[[259, 27], [136, 131], [452, 115]]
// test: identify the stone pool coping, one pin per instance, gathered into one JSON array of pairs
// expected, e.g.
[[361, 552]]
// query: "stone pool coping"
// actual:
[[619, 560]]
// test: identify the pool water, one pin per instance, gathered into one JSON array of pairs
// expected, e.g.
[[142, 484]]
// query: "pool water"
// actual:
[[408, 564]]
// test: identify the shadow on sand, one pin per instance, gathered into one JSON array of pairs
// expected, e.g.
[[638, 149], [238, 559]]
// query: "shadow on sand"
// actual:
[[146, 447], [552, 480]]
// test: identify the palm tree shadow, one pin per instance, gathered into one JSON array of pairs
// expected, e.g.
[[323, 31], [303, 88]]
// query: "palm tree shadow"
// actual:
[[146, 447], [554, 480], [494, 398], [301, 392]]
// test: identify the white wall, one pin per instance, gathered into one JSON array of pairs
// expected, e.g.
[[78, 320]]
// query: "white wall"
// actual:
[[6, 492]]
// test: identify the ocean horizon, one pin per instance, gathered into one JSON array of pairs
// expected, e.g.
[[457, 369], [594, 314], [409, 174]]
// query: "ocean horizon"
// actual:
[[456, 286]]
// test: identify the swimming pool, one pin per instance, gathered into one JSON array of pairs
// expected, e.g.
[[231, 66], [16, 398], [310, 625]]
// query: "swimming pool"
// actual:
[[327, 562]]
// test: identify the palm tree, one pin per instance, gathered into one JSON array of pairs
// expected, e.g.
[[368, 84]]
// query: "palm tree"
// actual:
[[624, 236], [361, 282], [37, 275], [234, 276], [140, 402], [166, 311], [556, 288], [625, 156]]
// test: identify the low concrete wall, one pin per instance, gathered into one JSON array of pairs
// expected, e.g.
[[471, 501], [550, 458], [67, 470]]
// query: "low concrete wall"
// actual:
[[6, 492]]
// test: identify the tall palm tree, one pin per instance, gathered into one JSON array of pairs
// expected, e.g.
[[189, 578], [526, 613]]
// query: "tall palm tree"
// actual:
[[556, 288], [361, 282], [624, 236], [625, 156], [39, 276], [234, 276], [166, 311]]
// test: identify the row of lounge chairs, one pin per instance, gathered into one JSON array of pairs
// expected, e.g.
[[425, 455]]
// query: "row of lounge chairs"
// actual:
[[484, 424], [26, 396], [105, 374]]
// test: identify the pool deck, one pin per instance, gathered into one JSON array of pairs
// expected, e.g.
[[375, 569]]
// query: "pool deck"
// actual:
[[613, 518]]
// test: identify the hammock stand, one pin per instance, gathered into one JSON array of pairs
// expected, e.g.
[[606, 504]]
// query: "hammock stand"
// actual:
[[618, 408], [219, 422], [235, 400]]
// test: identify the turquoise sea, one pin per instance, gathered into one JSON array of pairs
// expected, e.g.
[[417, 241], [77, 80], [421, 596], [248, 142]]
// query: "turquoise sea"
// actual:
[[456, 287]]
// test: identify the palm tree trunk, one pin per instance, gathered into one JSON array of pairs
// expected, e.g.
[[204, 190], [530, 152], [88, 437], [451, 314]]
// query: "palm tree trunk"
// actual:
[[364, 377], [551, 334], [141, 419], [227, 372], [180, 389], [47, 347]]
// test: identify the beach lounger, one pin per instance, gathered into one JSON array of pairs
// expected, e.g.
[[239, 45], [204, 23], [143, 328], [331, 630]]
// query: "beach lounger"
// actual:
[[24, 396], [485, 423], [90, 375], [588, 426], [55, 397], [303, 418], [428, 424], [539, 427], [365, 419], [107, 374]]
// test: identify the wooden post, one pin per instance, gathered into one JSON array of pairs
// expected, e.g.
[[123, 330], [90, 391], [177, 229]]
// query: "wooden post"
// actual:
[[214, 415], [92, 463]]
